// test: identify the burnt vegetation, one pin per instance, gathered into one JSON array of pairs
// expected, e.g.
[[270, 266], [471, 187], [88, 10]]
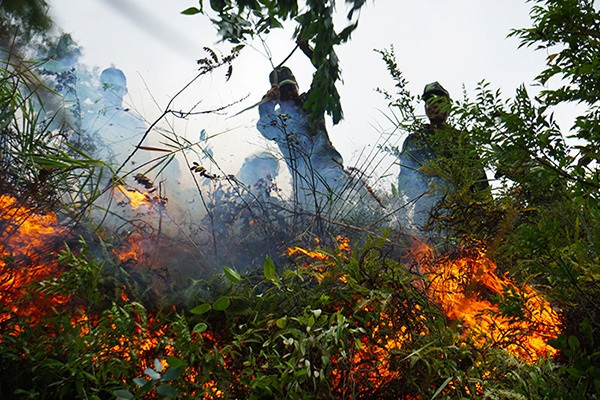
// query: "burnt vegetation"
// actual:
[[261, 300]]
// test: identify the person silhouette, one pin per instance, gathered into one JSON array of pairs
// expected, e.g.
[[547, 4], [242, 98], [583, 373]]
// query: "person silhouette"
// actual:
[[315, 165], [115, 129], [423, 189]]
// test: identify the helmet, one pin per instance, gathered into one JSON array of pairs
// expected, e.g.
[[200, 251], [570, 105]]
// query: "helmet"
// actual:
[[434, 89], [282, 76]]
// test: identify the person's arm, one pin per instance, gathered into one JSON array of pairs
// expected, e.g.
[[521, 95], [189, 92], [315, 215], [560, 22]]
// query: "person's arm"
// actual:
[[267, 123]]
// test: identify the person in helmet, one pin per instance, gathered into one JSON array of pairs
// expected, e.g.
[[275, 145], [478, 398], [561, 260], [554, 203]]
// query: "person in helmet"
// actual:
[[431, 151], [316, 167]]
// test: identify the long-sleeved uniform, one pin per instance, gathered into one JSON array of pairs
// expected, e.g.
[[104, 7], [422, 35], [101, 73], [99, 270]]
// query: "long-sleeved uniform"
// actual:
[[418, 150], [315, 165]]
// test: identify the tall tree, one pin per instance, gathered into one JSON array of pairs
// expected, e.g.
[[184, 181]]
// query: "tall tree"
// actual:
[[23, 17]]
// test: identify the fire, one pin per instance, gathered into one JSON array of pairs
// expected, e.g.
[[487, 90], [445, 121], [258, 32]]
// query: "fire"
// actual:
[[465, 288], [135, 198], [313, 254], [25, 238], [468, 289], [132, 250], [343, 245]]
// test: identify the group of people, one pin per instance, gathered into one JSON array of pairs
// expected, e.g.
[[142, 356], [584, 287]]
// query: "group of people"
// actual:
[[316, 167], [319, 180]]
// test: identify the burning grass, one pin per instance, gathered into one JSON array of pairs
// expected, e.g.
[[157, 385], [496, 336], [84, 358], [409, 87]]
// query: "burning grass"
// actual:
[[26, 238], [342, 325], [493, 310]]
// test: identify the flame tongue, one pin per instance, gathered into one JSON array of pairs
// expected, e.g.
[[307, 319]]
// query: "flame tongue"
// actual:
[[468, 289], [25, 238], [134, 198]]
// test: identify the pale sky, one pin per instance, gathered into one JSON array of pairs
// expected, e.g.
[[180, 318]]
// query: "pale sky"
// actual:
[[454, 42]]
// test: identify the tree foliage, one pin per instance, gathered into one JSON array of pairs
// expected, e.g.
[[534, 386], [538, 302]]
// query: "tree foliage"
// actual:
[[239, 20], [542, 226], [23, 17]]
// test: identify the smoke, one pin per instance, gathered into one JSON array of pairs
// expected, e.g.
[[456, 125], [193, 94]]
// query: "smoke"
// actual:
[[172, 201]]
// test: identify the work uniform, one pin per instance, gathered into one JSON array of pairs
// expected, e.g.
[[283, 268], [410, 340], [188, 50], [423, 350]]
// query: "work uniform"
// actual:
[[422, 185], [315, 165]]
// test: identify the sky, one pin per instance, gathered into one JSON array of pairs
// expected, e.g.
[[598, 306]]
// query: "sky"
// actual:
[[457, 43]]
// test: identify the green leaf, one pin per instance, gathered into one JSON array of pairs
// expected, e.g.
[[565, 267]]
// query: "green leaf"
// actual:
[[439, 390], [166, 390], [281, 322], [232, 275], [201, 309], [217, 5], [269, 268], [237, 48], [573, 343], [50, 362], [222, 303], [201, 327], [172, 373], [191, 11], [176, 362], [123, 394]]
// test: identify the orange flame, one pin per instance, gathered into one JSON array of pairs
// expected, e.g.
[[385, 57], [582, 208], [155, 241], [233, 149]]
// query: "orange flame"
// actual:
[[343, 245], [25, 238], [132, 250], [465, 288], [135, 198]]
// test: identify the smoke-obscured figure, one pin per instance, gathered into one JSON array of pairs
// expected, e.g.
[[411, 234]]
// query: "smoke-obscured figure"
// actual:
[[246, 210], [316, 167], [114, 127], [434, 159], [60, 74], [258, 171]]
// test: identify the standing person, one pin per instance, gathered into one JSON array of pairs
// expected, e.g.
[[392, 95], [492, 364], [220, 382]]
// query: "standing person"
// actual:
[[433, 151], [115, 128], [318, 176]]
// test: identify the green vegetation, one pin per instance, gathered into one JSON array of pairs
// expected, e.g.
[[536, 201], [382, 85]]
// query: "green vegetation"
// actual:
[[300, 332], [346, 324]]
